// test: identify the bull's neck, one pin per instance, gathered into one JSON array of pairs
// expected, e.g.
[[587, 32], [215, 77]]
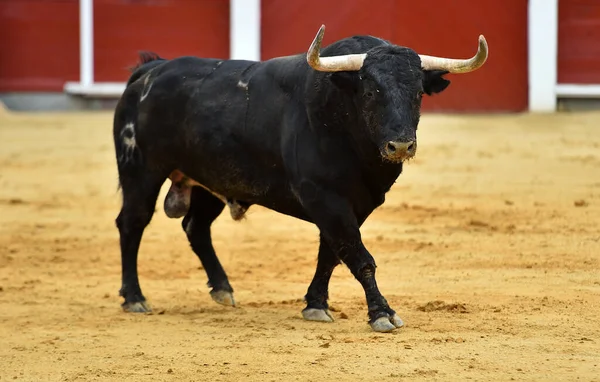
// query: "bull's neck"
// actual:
[[337, 111]]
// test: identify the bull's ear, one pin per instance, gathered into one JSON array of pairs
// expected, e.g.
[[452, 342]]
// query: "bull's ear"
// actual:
[[434, 82], [345, 80]]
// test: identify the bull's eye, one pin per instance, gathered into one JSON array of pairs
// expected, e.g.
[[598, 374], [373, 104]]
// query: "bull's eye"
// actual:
[[369, 94]]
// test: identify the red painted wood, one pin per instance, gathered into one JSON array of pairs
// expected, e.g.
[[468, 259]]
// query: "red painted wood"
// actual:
[[39, 44], [289, 26], [39, 39], [450, 28], [170, 28], [579, 41]]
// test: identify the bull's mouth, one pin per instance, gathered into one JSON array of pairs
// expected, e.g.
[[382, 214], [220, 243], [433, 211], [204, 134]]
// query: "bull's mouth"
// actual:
[[396, 159]]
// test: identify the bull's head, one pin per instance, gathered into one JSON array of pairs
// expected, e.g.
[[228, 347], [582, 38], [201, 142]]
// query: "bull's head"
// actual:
[[389, 86]]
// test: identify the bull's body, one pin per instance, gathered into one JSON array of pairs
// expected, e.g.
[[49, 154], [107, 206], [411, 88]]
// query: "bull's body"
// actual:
[[242, 129], [277, 134]]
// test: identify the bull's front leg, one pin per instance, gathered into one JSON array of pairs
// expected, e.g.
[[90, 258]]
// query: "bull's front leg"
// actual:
[[317, 308], [340, 230], [350, 249]]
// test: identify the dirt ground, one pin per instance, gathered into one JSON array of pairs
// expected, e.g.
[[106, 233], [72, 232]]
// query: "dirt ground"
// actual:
[[488, 247]]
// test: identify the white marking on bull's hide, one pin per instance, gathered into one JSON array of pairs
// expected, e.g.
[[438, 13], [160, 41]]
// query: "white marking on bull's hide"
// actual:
[[244, 85], [129, 143], [128, 135], [146, 90]]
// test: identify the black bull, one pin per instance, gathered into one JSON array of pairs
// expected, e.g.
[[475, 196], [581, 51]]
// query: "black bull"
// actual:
[[318, 137]]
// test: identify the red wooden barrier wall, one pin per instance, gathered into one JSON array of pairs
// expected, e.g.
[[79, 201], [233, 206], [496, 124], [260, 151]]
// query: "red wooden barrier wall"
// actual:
[[450, 28], [40, 49], [39, 44], [39, 39], [579, 41]]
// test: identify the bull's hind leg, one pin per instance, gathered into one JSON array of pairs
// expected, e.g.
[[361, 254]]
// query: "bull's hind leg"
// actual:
[[204, 209], [317, 308], [139, 200]]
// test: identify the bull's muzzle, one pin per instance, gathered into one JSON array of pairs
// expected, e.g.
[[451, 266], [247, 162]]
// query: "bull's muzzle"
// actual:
[[399, 151]]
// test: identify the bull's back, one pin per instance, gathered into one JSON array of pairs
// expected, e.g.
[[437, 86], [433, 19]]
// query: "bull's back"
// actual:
[[189, 101], [194, 113]]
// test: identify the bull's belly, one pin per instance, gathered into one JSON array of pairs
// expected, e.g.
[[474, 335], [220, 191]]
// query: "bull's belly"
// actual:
[[276, 196]]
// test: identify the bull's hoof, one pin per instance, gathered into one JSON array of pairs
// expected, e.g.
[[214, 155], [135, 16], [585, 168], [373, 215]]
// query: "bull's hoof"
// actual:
[[320, 315], [137, 307], [387, 324], [222, 297]]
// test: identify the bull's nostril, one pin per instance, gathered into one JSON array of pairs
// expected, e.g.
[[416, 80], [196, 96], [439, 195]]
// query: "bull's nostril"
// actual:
[[391, 148], [411, 147]]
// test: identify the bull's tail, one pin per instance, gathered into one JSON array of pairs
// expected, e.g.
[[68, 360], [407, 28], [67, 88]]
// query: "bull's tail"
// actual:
[[147, 62], [129, 155]]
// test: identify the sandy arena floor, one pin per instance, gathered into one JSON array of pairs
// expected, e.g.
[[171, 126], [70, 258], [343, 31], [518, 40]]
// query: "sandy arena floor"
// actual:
[[488, 247]]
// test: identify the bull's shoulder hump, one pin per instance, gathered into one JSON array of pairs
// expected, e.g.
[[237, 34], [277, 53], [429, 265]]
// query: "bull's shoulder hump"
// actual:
[[353, 45]]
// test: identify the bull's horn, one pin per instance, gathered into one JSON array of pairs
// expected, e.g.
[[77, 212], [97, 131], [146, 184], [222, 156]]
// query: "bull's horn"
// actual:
[[457, 65], [349, 62]]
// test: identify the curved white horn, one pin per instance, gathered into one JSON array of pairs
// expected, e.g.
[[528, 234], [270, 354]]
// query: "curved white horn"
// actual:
[[349, 62], [453, 65]]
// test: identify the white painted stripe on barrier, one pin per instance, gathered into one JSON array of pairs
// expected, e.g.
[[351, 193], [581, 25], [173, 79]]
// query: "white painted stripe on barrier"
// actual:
[[543, 54]]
